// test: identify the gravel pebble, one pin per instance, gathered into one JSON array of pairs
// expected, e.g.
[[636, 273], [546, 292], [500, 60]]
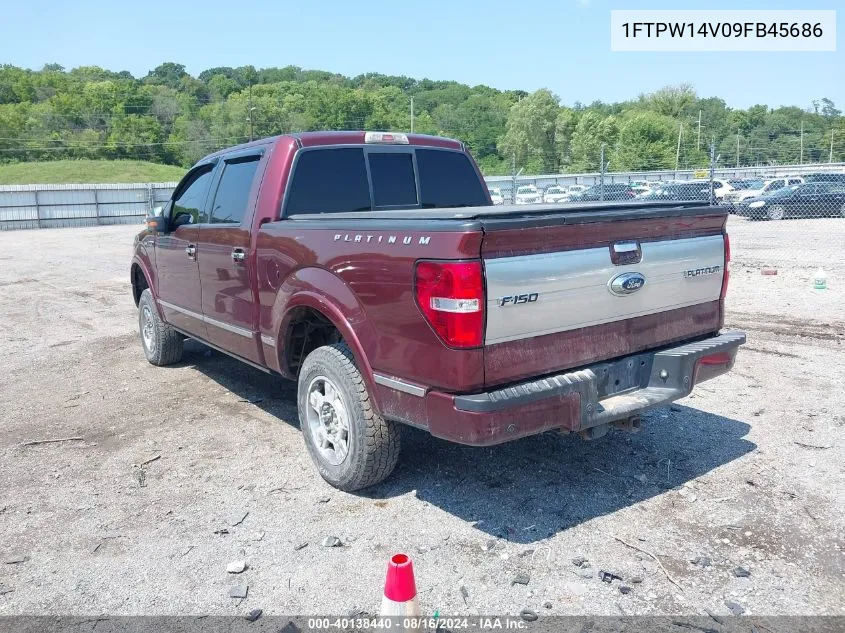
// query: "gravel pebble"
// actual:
[[236, 567], [528, 615]]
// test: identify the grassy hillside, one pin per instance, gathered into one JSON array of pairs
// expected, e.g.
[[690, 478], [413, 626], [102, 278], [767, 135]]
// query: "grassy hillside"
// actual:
[[87, 171]]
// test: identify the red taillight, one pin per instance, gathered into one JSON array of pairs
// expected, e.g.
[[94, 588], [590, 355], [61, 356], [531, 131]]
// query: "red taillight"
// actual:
[[727, 271], [451, 297]]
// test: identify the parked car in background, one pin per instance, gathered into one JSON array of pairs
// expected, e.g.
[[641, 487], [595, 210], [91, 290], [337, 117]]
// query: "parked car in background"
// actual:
[[555, 194], [575, 189], [527, 194], [721, 187], [759, 188], [612, 191], [809, 200], [685, 190], [746, 183], [824, 177], [641, 191], [496, 196]]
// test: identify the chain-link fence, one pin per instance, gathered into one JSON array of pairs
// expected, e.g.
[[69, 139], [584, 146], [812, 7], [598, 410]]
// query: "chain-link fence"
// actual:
[[775, 192]]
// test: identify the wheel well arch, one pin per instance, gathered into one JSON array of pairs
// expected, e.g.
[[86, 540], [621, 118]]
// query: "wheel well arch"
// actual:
[[305, 329], [139, 282]]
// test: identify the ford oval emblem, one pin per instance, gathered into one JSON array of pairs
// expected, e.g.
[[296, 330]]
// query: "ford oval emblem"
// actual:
[[626, 284]]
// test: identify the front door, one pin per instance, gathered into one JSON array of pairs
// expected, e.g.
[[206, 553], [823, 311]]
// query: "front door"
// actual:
[[223, 255], [179, 292]]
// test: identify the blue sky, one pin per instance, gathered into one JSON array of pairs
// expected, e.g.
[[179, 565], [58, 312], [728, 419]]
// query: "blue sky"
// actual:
[[563, 45]]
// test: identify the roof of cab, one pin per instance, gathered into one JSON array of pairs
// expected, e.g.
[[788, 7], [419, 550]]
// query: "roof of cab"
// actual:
[[316, 139], [312, 139]]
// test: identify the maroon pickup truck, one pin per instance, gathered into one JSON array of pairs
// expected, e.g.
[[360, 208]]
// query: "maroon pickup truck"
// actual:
[[373, 269]]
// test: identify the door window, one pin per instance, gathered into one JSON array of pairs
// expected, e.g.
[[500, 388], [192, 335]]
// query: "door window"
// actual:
[[232, 197], [190, 198]]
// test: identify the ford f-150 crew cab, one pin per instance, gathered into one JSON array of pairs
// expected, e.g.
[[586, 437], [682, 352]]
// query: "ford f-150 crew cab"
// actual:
[[372, 269]]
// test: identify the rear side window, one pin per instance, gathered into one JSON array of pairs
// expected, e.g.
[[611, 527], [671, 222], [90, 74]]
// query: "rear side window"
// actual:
[[329, 181], [393, 179], [232, 195], [447, 179]]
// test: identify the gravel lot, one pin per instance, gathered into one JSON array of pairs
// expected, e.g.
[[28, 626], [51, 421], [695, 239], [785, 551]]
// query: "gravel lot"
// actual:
[[747, 472]]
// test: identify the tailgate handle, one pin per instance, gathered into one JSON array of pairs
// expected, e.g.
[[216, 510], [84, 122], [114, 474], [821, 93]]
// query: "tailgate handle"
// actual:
[[622, 253]]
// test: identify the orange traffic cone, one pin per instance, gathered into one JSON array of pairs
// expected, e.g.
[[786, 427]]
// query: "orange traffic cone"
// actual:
[[400, 589]]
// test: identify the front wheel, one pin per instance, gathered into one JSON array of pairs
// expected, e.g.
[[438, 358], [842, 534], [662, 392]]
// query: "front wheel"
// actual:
[[351, 445], [162, 344]]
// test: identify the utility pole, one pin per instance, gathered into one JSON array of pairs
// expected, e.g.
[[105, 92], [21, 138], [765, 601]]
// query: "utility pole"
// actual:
[[678, 151], [412, 115], [601, 193], [712, 167], [251, 126], [830, 160], [801, 162], [699, 130], [737, 149]]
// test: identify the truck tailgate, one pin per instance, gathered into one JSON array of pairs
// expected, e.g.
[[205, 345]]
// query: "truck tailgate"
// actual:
[[564, 292]]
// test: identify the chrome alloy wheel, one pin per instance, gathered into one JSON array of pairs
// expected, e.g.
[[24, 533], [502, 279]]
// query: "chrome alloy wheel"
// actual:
[[328, 420], [148, 329]]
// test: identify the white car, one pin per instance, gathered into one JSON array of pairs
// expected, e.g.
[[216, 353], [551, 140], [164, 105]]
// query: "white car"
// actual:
[[496, 196], [527, 194], [640, 190], [555, 194], [575, 189], [759, 188]]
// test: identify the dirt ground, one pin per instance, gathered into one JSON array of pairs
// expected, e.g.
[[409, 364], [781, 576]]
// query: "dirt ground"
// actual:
[[182, 470]]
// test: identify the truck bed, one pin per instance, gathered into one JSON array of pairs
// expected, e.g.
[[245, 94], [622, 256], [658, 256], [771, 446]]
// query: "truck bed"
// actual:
[[533, 215]]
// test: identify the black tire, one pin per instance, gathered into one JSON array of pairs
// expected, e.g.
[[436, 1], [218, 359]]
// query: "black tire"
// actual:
[[373, 444], [162, 344]]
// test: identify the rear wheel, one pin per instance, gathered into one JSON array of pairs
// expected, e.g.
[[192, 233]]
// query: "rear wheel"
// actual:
[[162, 344], [776, 212], [351, 445]]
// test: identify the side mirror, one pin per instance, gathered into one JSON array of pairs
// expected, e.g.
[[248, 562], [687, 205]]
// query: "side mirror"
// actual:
[[156, 223]]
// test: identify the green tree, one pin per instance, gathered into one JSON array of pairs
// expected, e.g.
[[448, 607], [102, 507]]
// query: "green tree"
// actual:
[[530, 130], [644, 143]]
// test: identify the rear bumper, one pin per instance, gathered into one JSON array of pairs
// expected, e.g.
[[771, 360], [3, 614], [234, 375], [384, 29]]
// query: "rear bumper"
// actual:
[[583, 399]]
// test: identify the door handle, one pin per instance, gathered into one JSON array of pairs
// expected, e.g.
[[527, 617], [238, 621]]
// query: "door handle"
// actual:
[[191, 251], [238, 255]]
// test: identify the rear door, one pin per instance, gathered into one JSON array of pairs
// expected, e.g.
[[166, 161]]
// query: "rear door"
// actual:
[[179, 292], [223, 254]]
